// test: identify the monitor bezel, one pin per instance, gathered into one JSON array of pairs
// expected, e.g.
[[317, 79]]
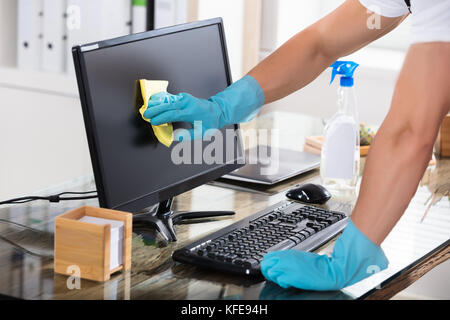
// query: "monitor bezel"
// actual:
[[173, 190]]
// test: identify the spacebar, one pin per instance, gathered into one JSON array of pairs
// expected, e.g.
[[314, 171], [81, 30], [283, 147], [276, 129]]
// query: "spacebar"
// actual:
[[283, 245]]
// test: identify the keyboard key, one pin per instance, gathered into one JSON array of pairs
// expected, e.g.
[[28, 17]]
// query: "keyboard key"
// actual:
[[332, 219], [238, 261], [314, 226], [250, 263], [288, 225], [257, 256], [304, 234], [295, 239]]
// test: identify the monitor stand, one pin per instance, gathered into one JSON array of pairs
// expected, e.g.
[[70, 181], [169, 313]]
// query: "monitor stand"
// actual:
[[163, 219]]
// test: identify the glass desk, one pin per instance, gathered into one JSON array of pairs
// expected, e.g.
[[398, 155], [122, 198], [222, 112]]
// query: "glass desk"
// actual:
[[413, 245]]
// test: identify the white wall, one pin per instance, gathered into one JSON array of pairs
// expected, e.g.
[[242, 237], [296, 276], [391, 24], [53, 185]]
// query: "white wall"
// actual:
[[373, 87], [42, 141], [233, 19], [170, 12]]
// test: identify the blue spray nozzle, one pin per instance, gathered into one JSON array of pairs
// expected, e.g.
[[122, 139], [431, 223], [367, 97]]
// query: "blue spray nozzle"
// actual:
[[346, 69]]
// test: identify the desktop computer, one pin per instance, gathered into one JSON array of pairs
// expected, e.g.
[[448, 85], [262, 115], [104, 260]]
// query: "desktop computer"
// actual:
[[132, 170], [135, 173]]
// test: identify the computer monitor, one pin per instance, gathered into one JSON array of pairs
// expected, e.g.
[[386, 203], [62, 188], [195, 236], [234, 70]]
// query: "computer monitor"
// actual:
[[132, 170]]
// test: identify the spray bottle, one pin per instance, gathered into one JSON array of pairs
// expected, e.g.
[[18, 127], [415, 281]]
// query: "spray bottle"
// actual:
[[339, 168]]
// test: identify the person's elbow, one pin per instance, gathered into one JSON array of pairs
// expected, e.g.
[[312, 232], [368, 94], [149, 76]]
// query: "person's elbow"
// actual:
[[415, 139], [422, 142]]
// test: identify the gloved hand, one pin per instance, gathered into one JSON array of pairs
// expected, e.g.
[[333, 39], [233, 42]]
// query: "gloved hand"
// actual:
[[354, 258], [238, 103]]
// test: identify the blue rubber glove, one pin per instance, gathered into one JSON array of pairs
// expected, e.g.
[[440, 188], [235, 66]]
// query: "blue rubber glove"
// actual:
[[238, 103], [354, 258]]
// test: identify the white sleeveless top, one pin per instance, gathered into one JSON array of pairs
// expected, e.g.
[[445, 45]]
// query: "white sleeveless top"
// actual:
[[430, 18]]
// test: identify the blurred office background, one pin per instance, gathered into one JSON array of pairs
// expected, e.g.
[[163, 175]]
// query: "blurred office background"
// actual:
[[42, 137]]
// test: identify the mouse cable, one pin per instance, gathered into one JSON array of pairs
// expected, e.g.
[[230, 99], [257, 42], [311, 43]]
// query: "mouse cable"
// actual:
[[63, 196], [53, 198]]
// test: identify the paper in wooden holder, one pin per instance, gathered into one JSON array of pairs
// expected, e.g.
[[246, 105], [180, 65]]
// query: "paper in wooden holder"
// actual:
[[87, 246]]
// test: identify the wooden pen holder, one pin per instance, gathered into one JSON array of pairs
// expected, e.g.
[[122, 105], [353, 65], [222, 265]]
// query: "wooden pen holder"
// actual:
[[84, 240]]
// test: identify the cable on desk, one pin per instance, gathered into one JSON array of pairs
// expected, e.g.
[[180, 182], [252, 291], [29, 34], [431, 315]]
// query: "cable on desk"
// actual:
[[63, 196], [53, 198]]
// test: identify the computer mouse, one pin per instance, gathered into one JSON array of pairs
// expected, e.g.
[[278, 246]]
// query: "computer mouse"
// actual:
[[309, 193]]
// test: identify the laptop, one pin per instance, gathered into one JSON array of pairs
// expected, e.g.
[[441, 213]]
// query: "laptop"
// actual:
[[269, 166]]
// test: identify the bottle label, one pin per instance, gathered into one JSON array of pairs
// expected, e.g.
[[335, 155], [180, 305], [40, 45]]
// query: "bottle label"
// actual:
[[340, 151]]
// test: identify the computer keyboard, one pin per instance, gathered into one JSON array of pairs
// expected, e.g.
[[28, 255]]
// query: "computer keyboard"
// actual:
[[240, 247]]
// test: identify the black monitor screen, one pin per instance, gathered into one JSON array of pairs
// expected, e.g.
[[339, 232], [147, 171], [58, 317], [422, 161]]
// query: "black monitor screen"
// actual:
[[132, 169]]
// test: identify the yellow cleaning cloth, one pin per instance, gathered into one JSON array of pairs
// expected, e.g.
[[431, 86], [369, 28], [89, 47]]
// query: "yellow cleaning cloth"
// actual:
[[163, 132]]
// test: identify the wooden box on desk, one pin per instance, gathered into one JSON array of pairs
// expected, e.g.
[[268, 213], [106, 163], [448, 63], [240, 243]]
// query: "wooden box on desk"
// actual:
[[87, 245]]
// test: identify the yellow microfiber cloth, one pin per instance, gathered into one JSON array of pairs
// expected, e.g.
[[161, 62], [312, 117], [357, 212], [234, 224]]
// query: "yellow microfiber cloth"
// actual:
[[163, 132]]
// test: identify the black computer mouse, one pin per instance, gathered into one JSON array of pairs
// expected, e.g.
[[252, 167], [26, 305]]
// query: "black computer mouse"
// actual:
[[309, 193]]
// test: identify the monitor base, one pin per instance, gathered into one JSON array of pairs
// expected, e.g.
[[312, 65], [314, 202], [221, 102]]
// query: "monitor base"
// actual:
[[163, 219]]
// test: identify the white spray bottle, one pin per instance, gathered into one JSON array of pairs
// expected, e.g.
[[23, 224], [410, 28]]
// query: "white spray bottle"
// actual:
[[339, 167]]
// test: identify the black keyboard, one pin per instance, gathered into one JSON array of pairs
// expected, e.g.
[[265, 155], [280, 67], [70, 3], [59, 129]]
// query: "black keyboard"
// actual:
[[240, 247]]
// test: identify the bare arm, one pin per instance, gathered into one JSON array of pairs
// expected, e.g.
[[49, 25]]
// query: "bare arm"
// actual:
[[301, 59], [403, 145]]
